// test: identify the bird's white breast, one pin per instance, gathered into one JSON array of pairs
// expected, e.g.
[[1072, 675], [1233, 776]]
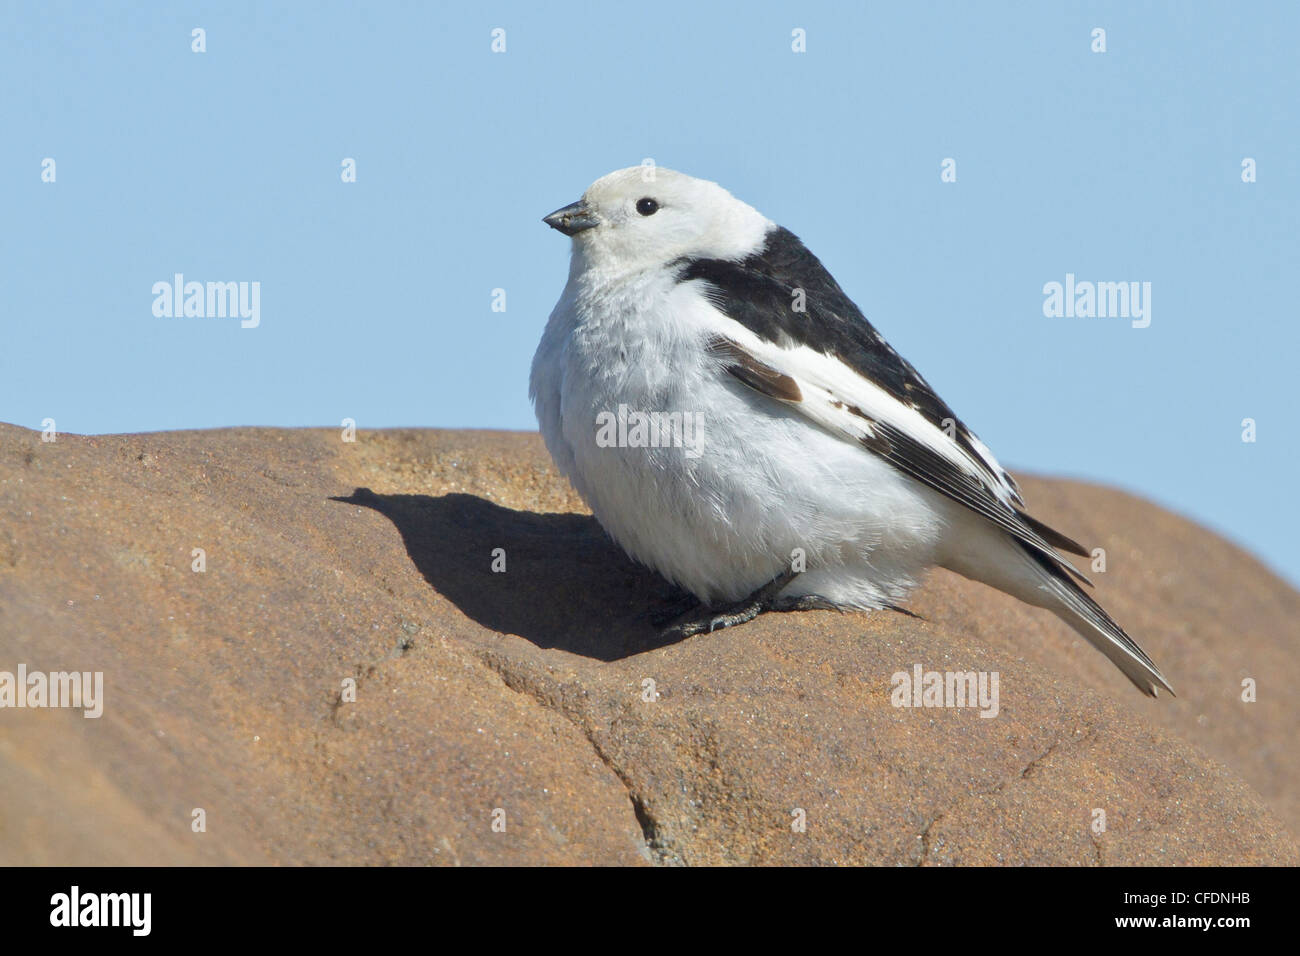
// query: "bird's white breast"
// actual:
[[763, 481]]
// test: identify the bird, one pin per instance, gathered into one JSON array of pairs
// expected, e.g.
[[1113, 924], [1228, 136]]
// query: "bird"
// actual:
[[826, 473]]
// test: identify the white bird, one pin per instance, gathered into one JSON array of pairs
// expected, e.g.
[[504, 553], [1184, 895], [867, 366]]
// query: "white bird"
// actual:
[[826, 473]]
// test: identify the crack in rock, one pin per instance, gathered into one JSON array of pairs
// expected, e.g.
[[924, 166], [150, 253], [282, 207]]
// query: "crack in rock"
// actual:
[[1026, 771], [658, 851]]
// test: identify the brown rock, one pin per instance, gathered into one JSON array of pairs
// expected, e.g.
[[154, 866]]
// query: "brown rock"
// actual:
[[524, 690]]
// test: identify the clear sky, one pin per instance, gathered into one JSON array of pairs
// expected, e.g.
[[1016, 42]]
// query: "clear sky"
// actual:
[[376, 295]]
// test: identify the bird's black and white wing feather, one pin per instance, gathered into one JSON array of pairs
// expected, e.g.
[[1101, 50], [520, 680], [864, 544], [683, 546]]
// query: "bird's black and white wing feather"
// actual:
[[797, 338], [794, 324]]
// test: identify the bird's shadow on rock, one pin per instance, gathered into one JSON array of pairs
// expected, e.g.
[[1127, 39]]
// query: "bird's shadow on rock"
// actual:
[[565, 584]]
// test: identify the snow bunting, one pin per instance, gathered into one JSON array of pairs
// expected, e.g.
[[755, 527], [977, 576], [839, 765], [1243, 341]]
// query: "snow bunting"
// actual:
[[822, 470]]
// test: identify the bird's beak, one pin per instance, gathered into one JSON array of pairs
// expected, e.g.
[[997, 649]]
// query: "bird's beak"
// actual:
[[572, 219]]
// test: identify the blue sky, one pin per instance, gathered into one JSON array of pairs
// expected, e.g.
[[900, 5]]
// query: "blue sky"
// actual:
[[376, 295]]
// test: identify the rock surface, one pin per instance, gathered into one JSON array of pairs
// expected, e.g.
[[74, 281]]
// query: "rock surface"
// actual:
[[525, 691]]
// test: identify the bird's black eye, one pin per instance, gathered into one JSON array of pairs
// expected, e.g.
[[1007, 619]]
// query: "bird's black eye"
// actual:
[[647, 206]]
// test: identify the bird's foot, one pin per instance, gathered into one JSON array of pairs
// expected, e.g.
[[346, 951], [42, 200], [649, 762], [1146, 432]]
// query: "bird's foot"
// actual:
[[706, 620], [806, 602]]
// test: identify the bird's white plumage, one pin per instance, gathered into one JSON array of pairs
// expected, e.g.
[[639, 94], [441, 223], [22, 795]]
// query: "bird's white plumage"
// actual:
[[773, 477], [722, 524]]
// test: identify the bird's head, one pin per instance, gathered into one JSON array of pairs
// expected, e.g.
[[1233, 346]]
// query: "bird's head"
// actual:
[[645, 217]]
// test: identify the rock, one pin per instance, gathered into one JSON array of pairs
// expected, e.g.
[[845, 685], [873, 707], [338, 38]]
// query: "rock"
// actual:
[[526, 692]]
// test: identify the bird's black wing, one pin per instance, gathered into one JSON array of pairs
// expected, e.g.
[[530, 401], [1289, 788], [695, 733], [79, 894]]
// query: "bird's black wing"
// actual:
[[795, 310]]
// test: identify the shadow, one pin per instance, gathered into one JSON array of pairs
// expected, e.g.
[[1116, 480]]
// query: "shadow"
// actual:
[[566, 584]]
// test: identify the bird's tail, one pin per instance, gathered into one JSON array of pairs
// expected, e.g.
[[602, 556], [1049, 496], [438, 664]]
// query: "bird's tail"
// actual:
[[992, 557], [1074, 606]]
